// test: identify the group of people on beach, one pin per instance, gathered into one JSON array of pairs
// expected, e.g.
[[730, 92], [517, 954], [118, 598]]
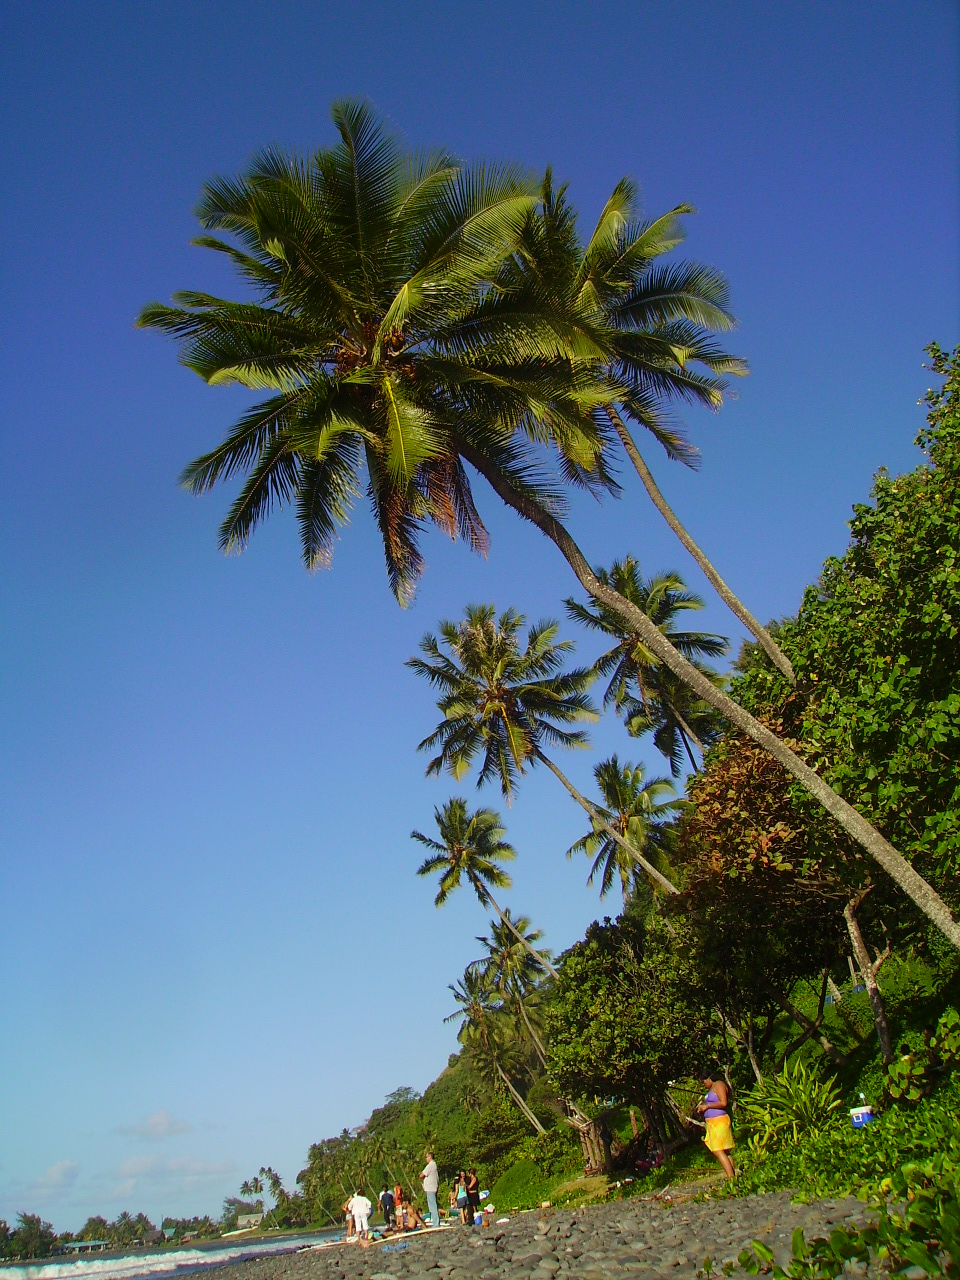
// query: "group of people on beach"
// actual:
[[400, 1211], [401, 1214]]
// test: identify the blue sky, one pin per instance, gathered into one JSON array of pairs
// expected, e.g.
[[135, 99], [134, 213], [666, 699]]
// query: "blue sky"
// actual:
[[207, 765]]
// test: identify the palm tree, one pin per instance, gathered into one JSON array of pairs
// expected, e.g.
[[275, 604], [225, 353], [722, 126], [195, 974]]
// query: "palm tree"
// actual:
[[374, 332], [503, 703], [383, 1154], [482, 1033], [656, 324], [392, 337], [856, 826], [511, 971], [644, 691], [471, 847], [634, 805]]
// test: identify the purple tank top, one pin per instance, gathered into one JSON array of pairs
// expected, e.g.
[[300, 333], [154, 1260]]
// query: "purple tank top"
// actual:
[[711, 1112]]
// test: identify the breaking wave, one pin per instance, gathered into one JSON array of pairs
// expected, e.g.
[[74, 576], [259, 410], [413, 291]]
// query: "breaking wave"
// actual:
[[141, 1265]]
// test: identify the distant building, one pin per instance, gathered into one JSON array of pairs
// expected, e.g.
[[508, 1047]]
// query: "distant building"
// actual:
[[248, 1221], [84, 1246]]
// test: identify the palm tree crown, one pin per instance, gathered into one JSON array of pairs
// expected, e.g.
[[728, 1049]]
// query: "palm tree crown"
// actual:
[[501, 700], [635, 806], [471, 847], [510, 965], [643, 689], [653, 322], [375, 331]]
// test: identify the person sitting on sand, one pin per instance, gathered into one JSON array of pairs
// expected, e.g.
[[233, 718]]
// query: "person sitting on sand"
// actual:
[[715, 1109], [409, 1218]]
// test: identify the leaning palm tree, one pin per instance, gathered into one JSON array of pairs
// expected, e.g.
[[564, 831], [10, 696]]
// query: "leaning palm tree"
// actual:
[[388, 341], [471, 847], [920, 891], [658, 324], [373, 330], [504, 704], [645, 692], [634, 804], [488, 1045], [511, 971]]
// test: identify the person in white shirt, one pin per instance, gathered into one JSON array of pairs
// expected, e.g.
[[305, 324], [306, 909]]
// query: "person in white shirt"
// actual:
[[360, 1207], [431, 1185]]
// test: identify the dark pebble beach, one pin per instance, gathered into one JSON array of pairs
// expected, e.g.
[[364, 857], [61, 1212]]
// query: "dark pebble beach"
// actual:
[[625, 1238]]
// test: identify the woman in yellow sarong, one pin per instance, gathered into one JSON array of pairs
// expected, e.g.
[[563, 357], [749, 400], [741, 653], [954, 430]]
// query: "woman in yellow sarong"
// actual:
[[719, 1135]]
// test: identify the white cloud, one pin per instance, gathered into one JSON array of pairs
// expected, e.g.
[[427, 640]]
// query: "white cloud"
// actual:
[[56, 1182], [156, 1127]]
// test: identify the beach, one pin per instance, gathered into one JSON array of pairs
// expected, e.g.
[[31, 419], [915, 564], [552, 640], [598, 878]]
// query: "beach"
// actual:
[[642, 1237]]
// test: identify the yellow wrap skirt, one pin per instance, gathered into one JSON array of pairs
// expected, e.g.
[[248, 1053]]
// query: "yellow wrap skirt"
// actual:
[[719, 1135]]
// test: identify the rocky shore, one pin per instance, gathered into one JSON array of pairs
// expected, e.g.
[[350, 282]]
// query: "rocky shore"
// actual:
[[626, 1238]]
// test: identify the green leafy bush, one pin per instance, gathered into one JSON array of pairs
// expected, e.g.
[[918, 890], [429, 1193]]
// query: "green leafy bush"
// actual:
[[841, 1159], [798, 1100], [554, 1152], [922, 1231], [913, 1077], [523, 1186]]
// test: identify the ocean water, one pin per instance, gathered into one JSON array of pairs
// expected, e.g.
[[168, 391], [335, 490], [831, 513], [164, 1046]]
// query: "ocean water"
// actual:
[[161, 1264]]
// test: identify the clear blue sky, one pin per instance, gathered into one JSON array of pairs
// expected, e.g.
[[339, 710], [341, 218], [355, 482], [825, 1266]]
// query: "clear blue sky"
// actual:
[[207, 766]]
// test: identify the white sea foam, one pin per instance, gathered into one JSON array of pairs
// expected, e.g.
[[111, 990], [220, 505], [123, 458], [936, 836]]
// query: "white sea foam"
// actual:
[[143, 1266]]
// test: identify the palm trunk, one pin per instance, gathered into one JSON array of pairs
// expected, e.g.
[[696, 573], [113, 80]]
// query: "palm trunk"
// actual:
[[869, 971], [687, 732], [597, 818], [534, 1038], [686, 735], [896, 866], [505, 919], [519, 1101], [732, 601], [578, 1117]]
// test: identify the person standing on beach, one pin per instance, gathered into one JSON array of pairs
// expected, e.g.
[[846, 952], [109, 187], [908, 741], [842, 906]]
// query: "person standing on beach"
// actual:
[[715, 1109], [473, 1197], [387, 1205], [431, 1185], [360, 1207]]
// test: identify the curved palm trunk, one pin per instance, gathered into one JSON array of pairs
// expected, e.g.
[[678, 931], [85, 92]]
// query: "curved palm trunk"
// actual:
[[519, 1101], [896, 866], [733, 602], [687, 736], [485, 895], [534, 1038], [576, 1117], [599, 820]]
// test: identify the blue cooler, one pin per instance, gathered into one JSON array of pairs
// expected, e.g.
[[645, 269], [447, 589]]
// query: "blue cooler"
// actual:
[[860, 1116]]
